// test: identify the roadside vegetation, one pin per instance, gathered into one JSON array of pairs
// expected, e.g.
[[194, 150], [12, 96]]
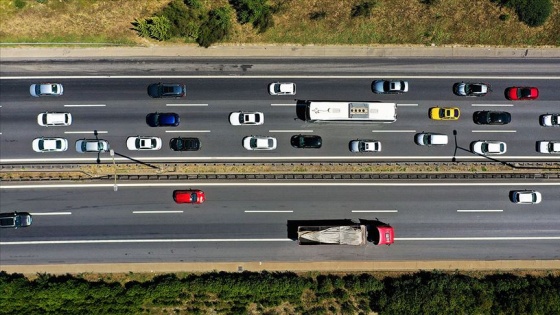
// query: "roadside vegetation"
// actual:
[[283, 293], [329, 22]]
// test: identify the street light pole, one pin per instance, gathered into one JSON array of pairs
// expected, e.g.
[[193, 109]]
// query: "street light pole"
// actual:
[[112, 153]]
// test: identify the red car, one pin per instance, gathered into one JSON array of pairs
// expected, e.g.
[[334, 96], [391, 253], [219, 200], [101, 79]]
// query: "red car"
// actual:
[[517, 93], [189, 196]]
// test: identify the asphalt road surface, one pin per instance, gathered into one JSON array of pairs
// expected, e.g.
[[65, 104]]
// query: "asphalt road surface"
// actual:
[[255, 221], [114, 107]]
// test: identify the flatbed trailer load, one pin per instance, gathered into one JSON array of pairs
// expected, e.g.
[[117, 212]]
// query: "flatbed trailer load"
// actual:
[[332, 235]]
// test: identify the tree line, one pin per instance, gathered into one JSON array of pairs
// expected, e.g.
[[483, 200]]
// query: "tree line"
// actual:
[[422, 292]]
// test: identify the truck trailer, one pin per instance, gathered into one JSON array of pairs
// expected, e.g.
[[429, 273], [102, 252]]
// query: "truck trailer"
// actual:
[[345, 235]]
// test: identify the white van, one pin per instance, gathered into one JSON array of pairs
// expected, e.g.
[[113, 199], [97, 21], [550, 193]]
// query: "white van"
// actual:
[[429, 139]]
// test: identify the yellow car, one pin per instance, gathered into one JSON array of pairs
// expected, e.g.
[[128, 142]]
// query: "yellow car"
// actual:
[[444, 113]]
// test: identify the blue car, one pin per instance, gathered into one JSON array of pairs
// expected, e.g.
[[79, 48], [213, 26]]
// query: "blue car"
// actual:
[[162, 119]]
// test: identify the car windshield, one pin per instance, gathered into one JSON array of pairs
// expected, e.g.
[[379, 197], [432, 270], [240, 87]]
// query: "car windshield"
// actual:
[[525, 92], [193, 197], [41, 145], [179, 144], [54, 88], [253, 142]]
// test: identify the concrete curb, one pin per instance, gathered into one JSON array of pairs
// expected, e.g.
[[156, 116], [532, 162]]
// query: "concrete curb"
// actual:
[[326, 266], [24, 53]]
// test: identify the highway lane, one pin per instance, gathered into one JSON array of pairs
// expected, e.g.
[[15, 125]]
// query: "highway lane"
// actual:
[[251, 220], [121, 106]]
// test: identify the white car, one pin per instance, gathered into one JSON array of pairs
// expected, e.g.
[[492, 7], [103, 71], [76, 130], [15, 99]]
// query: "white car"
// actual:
[[246, 118], [550, 120], [50, 145], [92, 145], [429, 139], [46, 89], [259, 143], [282, 88], [552, 147], [489, 147], [54, 119], [528, 197], [143, 143], [365, 146]]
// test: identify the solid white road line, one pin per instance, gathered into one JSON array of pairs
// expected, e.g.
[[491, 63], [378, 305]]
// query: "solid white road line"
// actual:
[[380, 211], [494, 130], [399, 105], [397, 239], [86, 105], [242, 76], [176, 131], [92, 132], [186, 105], [276, 130], [158, 212], [269, 211], [50, 213], [480, 210], [279, 184], [283, 104], [498, 105], [393, 131]]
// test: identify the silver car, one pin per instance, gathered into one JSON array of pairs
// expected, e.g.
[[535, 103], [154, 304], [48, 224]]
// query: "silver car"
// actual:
[[92, 145], [357, 146], [46, 89], [389, 86]]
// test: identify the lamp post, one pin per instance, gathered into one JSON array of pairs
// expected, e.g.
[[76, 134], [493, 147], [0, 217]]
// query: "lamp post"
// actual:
[[112, 153]]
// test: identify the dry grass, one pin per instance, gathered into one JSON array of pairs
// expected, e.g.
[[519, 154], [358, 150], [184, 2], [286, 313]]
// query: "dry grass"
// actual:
[[450, 22]]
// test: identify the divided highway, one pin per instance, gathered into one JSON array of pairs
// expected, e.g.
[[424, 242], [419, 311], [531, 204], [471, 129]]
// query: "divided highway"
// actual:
[[253, 221]]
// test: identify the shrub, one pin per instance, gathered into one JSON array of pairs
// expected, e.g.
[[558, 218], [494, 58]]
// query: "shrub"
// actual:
[[142, 27], [215, 28], [534, 12], [318, 15], [160, 27], [429, 2], [530, 12], [363, 9], [257, 12], [504, 17], [185, 18], [19, 4]]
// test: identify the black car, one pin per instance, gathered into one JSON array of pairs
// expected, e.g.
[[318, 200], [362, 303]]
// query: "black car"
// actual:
[[162, 119], [158, 90], [491, 118], [15, 220], [306, 141], [184, 144]]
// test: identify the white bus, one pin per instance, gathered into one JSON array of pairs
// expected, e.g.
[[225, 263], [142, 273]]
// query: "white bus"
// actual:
[[350, 111]]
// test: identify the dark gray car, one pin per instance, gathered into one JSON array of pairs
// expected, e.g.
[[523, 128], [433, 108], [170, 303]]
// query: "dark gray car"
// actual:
[[158, 90], [15, 219]]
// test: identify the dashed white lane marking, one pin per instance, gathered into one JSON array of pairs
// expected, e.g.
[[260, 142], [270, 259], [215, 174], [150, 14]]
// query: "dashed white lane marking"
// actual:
[[481, 210], [380, 211], [170, 105], [269, 211], [86, 105], [278, 130], [497, 105], [50, 213], [87, 132], [158, 212], [511, 131], [191, 131]]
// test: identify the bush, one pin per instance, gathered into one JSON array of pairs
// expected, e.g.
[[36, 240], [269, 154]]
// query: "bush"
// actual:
[[429, 2], [257, 12], [363, 9], [185, 18], [215, 28], [534, 12], [160, 27], [318, 15], [530, 12], [19, 4]]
